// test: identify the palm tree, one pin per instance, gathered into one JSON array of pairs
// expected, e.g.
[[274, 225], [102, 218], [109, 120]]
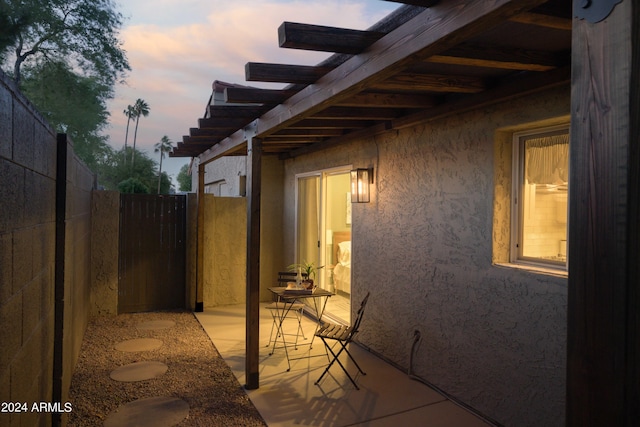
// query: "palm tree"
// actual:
[[164, 146], [141, 109], [130, 112]]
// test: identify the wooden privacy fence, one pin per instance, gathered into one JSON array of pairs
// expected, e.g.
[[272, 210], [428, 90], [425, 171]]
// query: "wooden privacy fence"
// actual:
[[152, 252]]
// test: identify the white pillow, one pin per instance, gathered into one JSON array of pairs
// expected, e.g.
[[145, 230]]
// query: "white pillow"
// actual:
[[344, 252]]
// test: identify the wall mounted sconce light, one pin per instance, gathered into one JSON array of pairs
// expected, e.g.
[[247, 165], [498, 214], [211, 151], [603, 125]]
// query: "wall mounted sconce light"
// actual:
[[360, 182]]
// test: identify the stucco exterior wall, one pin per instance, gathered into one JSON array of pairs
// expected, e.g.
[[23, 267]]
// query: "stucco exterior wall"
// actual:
[[224, 177], [224, 262], [492, 337], [105, 230], [225, 243]]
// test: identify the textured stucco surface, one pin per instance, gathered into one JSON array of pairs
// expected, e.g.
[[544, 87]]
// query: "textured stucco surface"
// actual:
[[225, 244], [224, 262], [492, 337], [105, 229]]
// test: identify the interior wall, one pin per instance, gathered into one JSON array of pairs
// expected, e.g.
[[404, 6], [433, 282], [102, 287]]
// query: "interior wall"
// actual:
[[492, 337]]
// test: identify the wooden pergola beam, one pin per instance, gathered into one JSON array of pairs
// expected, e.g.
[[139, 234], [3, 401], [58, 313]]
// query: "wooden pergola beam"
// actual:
[[213, 132], [432, 83], [499, 57], [325, 39], [392, 100], [298, 133], [283, 73], [516, 88], [363, 113], [429, 33], [257, 96], [542, 20], [236, 111], [313, 123], [224, 123]]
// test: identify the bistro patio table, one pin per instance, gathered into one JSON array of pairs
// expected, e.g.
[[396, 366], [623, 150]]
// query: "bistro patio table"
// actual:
[[288, 297]]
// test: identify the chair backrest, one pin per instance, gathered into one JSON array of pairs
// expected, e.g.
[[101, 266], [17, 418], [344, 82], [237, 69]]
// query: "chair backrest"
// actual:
[[356, 323], [288, 276]]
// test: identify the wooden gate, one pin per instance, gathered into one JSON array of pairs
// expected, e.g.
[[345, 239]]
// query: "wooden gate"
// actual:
[[152, 252]]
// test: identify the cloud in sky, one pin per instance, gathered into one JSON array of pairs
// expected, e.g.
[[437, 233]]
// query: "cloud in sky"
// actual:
[[177, 48]]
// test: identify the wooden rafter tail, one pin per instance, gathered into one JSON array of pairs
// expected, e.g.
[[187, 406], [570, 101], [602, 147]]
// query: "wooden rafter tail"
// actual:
[[325, 39], [257, 96], [283, 73]]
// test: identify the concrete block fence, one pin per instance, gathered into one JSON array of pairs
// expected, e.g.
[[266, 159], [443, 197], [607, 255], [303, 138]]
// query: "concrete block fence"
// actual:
[[45, 247]]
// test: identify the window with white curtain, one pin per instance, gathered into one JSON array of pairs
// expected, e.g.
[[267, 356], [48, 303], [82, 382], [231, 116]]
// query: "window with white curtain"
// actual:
[[540, 197]]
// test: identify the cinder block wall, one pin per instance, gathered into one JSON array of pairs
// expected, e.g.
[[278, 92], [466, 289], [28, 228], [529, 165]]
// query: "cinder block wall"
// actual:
[[27, 258]]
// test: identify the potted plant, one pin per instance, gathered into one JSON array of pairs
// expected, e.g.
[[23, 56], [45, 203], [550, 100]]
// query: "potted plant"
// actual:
[[307, 268]]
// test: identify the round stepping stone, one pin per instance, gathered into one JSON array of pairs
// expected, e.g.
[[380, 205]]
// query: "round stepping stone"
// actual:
[[139, 344], [139, 371], [152, 412], [155, 324]]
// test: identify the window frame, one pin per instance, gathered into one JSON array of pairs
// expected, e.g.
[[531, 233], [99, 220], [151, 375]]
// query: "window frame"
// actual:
[[517, 197]]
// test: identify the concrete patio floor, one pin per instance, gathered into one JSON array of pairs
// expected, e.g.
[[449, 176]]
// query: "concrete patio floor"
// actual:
[[387, 396]]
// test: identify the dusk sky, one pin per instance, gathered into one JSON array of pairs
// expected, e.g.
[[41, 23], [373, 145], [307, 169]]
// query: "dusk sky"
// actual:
[[177, 48]]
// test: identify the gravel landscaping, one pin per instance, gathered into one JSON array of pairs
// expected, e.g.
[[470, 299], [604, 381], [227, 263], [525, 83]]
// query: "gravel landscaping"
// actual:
[[196, 372]]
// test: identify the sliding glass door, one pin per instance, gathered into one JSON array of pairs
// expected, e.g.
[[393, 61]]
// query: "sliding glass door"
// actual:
[[324, 234]]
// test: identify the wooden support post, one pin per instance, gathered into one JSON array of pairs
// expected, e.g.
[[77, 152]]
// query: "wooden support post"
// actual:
[[200, 244], [254, 184], [604, 225], [58, 332]]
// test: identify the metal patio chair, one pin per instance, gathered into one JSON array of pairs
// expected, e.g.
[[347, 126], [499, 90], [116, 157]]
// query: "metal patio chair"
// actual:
[[342, 335]]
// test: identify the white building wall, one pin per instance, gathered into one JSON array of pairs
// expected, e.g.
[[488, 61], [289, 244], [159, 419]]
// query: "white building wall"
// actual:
[[493, 337]]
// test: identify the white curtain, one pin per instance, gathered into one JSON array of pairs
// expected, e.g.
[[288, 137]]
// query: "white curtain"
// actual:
[[547, 160], [308, 219]]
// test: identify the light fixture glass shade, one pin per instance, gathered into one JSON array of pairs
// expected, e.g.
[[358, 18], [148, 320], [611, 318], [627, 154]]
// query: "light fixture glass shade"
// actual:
[[360, 180]]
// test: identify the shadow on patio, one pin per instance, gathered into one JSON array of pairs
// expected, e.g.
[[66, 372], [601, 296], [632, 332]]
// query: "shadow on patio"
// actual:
[[387, 396]]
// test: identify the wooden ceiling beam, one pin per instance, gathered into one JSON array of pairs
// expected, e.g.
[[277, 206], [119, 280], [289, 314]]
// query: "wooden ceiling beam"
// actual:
[[391, 100], [236, 111], [541, 20], [224, 123], [432, 83], [257, 96], [363, 113], [516, 87], [311, 123], [325, 39], [271, 141], [498, 57], [212, 133], [282, 73], [308, 133]]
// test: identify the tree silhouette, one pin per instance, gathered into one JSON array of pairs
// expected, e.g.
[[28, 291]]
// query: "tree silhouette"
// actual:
[[164, 146], [81, 33], [130, 112], [141, 109]]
